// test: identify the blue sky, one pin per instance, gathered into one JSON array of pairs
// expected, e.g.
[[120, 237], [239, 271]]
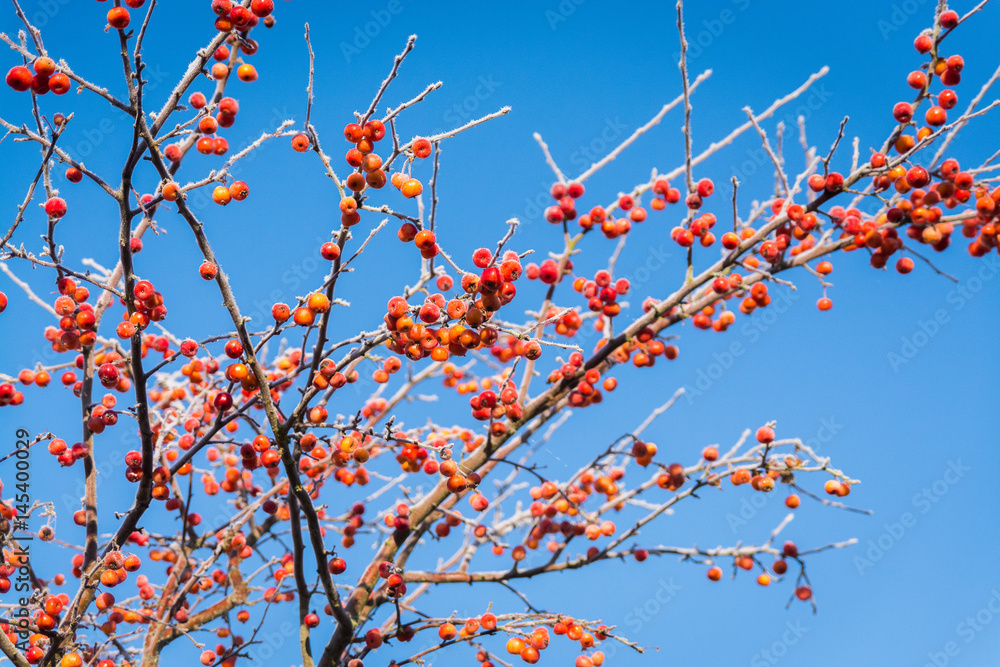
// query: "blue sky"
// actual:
[[896, 382]]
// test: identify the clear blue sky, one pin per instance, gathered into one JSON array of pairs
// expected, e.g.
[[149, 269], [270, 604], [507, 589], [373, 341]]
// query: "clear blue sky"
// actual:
[[919, 429]]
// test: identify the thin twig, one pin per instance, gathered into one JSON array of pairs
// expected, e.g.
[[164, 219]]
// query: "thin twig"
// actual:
[[687, 98], [641, 130], [548, 157], [397, 61]]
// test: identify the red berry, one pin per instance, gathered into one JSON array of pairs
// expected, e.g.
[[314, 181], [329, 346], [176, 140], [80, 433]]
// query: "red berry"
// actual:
[[239, 191], [683, 237], [903, 112], [917, 80], [223, 401], [19, 78], [55, 207], [948, 19], [917, 177], [936, 116], [59, 83], [951, 77], [40, 84], [329, 251], [374, 130], [300, 143], [421, 148], [108, 375], [834, 182], [336, 565], [44, 66], [262, 8], [234, 349], [947, 99], [118, 18], [208, 270], [353, 133], [765, 435]]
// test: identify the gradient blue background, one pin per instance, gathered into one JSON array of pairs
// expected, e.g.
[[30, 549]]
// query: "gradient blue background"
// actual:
[[585, 75]]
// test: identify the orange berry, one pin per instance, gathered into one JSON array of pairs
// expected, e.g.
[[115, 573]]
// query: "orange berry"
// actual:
[[447, 632], [515, 645], [303, 316], [300, 143], [246, 72], [318, 302], [118, 18], [421, 148], [221, 195], [411, 188], [72, 659], [239, 190]]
